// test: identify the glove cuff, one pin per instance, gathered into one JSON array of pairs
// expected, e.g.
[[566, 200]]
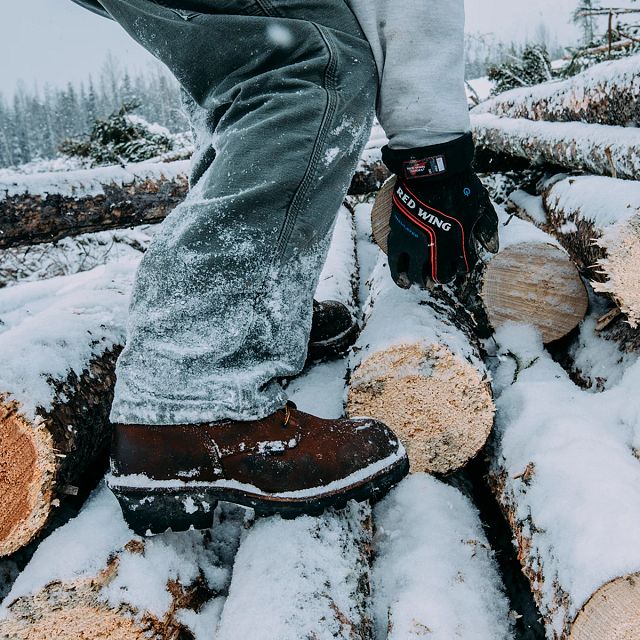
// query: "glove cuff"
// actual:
[[434, 162]]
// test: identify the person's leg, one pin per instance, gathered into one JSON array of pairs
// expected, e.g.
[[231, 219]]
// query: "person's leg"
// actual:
[[223, 298]]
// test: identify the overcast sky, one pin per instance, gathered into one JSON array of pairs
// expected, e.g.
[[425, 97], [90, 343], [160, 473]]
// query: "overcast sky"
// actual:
[[56, 41]]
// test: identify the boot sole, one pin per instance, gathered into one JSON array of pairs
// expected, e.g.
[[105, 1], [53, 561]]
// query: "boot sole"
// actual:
[[156, 509]]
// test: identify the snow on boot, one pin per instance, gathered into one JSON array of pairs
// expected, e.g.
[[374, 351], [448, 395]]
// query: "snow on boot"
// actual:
[[333, 330], [289, 463]]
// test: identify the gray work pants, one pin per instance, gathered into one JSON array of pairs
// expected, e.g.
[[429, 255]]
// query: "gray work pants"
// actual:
[[281, 95]]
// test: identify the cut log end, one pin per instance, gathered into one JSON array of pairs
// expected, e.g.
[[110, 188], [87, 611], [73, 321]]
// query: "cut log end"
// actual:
[[447, 409], [537, 283], [27, 469], [69, 612], [612, 613]]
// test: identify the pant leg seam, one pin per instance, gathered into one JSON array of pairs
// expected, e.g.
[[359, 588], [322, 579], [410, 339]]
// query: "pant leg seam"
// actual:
[[329, 85]]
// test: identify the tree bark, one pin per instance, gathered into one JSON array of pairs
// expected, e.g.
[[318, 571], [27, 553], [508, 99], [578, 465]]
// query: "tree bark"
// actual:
[[59, 345], [608, 93], [598, 149], [597, 220]]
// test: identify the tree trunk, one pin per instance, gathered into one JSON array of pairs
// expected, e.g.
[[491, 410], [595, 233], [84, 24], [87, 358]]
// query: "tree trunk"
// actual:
[[531, 279], [597, 220], [599, 149], [59, 339], [49, 207], [608, 93], [567, 482]]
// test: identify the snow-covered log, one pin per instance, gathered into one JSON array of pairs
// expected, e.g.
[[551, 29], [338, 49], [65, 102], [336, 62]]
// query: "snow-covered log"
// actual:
[[607, 93], [566, 477], [59, 340], [596, 148], [91, 579], [417, 367], [46, 207], [597, 220], [434, 574], [531, 279], [302, 578], [339, 277]]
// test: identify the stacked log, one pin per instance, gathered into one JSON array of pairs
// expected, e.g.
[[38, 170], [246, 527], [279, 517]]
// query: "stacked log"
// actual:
[[434, 574], [607, 93], [59, 341], [599, 149], [49, 206], [568, 483], [597, 220]]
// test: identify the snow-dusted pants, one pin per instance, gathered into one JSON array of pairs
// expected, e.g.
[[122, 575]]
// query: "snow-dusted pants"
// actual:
[[281, 95]]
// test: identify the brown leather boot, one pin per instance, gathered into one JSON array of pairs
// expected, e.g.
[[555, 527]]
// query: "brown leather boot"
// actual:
[[288, 463]]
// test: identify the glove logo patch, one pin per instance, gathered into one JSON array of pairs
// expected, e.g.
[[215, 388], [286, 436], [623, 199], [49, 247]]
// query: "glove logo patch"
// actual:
[[419, 168], [416, 209]]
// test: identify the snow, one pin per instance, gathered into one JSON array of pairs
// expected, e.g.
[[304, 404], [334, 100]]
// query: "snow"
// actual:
[[513, 230], [583, 501], [52, 327], [556, 97], [338, 279], [72, 254], [434, 574], [479, 89], [411, 317], [83, 183], [577, 144]]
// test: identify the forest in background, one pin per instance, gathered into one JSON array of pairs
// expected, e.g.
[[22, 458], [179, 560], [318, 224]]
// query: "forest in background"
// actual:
[[35, 121]]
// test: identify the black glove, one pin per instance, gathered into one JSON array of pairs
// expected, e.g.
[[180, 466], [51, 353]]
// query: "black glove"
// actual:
[[440, 209]]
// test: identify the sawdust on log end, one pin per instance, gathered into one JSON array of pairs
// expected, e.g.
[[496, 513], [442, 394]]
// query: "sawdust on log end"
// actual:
[[551, 297], [70, 612], [27, 469], [437, 403], [612, 613]]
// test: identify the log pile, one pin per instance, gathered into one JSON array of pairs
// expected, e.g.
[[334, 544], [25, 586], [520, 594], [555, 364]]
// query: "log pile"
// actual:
[[607, 93]]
